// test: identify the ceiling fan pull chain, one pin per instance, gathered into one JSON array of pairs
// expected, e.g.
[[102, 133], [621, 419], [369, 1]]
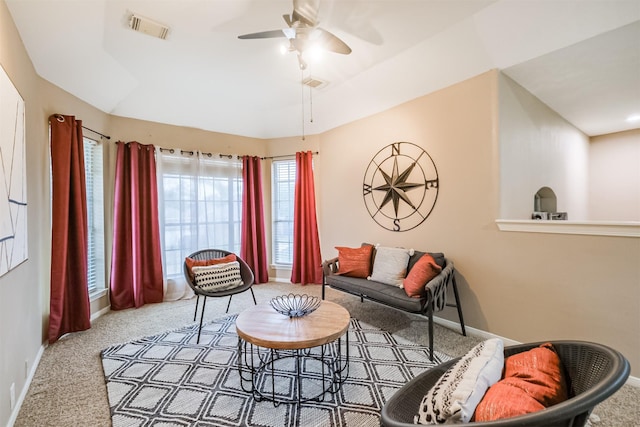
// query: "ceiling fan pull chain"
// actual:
[[311, 104], [302, 103]]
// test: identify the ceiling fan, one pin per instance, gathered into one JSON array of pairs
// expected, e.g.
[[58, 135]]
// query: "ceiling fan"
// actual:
[[303, 32]]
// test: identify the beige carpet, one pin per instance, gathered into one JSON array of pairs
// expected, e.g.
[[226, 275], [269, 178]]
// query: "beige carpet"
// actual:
[[68, 388]]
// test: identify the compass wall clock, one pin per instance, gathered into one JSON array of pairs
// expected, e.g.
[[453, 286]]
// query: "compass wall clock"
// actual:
[[400, 186]]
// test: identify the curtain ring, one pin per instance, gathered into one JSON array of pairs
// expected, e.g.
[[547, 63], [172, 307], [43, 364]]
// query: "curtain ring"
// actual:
[[60, 118]]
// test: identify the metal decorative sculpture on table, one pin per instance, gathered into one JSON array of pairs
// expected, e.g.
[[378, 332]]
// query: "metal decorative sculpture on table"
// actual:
[[293, 305]]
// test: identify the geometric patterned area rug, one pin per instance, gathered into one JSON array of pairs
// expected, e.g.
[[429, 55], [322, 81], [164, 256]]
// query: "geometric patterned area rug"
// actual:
[[169, 380]]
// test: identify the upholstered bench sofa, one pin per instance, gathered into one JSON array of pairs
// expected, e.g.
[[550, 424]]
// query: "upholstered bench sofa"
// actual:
[[405, 279]]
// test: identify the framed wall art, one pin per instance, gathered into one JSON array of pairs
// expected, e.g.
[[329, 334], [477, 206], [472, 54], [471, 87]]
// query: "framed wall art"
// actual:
[[13, 177]]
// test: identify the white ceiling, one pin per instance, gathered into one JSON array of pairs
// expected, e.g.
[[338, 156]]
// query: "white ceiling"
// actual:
[[582, 58]]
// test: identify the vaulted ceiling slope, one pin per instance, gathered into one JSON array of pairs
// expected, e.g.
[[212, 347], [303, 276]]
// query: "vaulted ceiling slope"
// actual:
[[582, 58]]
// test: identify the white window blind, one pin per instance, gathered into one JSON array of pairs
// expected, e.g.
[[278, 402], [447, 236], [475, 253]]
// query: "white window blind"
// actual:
[[283, 188], [95, 215]]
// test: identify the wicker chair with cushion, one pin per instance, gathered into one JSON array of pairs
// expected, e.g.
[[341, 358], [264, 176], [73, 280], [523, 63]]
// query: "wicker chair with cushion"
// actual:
[[208, 254], [594, 373]]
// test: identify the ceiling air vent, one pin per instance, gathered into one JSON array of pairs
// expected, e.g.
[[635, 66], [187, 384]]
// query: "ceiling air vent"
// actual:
[[314, 83], [147, 26]]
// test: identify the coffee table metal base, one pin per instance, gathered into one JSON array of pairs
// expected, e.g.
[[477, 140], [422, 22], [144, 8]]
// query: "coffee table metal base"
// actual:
[[293, 376]]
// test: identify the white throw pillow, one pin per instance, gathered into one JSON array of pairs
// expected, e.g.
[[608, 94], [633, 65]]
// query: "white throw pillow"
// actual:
[[390, 265], [454, 397], [217, 277]]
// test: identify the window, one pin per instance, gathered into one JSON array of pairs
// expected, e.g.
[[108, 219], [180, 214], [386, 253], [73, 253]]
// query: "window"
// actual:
[[201, 206], [283, 188], [95, 215]]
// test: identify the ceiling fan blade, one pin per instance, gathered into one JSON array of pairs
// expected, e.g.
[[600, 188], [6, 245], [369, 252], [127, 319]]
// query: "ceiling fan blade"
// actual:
[[332, 42], [263, 35]]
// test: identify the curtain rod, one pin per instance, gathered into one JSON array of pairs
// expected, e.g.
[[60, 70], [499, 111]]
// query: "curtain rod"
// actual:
[[96, 132], [60, 118], [191, 153], [284, 155], [229, 156]]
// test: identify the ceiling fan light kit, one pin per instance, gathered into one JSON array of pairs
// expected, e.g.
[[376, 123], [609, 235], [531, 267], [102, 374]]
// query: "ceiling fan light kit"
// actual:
[[304, 34]]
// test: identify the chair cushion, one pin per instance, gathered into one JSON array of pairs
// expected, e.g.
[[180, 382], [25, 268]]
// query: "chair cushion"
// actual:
[[390, 265], [218, 277], [389, 295], [422, 272], [354, 262], [533, 380], [203, 262], [454, 397]]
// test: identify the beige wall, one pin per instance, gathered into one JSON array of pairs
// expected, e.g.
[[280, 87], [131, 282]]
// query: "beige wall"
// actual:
[[523, 286], [614, 177]]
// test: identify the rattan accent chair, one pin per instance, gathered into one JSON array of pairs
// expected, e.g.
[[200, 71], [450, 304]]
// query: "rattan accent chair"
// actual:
[[245, 273], [595, 372]]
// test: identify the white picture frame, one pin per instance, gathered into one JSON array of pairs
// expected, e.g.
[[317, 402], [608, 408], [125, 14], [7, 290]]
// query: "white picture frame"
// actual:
[[13, 177]]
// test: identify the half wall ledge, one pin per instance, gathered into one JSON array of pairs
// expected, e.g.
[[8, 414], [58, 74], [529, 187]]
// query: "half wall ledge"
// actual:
[[589, 228]]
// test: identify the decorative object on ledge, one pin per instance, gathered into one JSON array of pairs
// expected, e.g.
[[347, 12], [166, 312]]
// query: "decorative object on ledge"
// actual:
[[545, 206], [558, 216], [540, 215], [554, 216], [400, 186], [293, 305]]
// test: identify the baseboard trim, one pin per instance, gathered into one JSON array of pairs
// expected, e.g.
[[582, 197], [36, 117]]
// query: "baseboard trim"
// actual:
[[99, 313], [632, 381], [27, 385], [472, 331], [279, 280]]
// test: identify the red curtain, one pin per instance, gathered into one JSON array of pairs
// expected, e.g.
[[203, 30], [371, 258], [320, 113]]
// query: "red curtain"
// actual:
[[136, 263], [307, 262], [69, 309], [253, 248]]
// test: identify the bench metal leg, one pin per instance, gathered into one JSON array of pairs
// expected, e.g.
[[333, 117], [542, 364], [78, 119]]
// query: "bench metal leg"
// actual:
[[430, 318], [458, 306]]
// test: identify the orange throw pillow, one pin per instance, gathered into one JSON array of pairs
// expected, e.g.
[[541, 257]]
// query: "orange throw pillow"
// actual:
[[533, 380], [202, 263], [421, 273], [504, 400], [354, 262]]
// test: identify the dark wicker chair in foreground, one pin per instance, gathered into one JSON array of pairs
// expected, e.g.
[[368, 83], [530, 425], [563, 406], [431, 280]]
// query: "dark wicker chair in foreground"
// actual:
[[595, 372], [245, 273]]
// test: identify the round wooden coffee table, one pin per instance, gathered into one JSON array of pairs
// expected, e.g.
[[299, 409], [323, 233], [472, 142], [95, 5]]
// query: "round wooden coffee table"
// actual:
[[295, 359]]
